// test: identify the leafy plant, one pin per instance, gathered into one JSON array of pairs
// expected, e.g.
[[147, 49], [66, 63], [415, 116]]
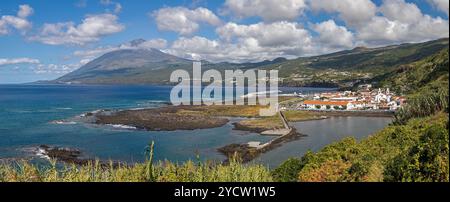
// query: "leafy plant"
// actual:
[[422, 106], [428, 161], [287, 171]]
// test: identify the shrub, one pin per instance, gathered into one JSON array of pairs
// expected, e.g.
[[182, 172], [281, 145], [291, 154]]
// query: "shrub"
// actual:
[[287, 171], [416, 151], [329, 171], [428, 161], [423, 105]]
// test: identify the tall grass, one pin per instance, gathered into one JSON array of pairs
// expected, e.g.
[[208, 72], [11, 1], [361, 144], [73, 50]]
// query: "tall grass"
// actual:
[[162, 171], [423, 105]]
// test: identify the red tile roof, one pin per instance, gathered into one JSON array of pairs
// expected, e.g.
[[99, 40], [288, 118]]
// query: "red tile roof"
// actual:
[[320, 102]]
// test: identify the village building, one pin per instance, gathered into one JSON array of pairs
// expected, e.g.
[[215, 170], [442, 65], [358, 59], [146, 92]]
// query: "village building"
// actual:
[[324, 105], [360, 100], [345, 99]]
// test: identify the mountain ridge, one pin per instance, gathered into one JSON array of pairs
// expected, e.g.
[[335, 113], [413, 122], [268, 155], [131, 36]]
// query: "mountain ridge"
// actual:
[[152, 66]]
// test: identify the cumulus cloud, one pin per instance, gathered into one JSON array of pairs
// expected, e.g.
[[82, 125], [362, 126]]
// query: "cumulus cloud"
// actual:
[[201, 48], [25, 11], [183, 20], [395, 21], [90, 54], [442, 5], [91, 29], [401, 11], [264, 41], [402, 22], [13, 61], [254, 42], [153, 43], [268, 10], [353, 12], [278, 34], [333, 36], [18, 22]]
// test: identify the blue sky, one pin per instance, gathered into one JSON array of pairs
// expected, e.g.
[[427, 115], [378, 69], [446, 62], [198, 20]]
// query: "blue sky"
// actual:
[[44, 39]]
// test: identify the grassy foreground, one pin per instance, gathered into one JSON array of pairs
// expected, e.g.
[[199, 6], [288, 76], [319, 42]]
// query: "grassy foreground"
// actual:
[[142, 172]]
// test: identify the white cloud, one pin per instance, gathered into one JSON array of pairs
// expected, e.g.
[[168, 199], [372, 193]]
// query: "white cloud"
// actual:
[[218, 51], [353, 12], [269, 10], [442, 5], [254, 42], [264, 41], [183, 20], [18, 22], [332, 35], [401, 22], [382, 31], [200, 48], [55, 69], [153, 43], [278, 34], [91, 29], [197, 45], [3, 28], [38, 68], [117, 6], [25, 11], [90, 54], [395, 21], [13, 61], [401, 11]]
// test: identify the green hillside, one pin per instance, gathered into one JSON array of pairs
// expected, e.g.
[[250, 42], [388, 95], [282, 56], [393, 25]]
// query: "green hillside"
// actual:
[[345, 68], [340, 69], [417, 151], [432, 71], [414, 148]]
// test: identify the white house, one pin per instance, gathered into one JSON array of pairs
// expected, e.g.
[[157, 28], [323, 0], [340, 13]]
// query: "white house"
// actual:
[[324, 105]]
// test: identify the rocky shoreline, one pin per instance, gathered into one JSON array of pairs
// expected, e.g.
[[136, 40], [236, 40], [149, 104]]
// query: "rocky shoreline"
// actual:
[[242, 127], [245, 153], [171, 118], [161, 119], [70, 156]]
